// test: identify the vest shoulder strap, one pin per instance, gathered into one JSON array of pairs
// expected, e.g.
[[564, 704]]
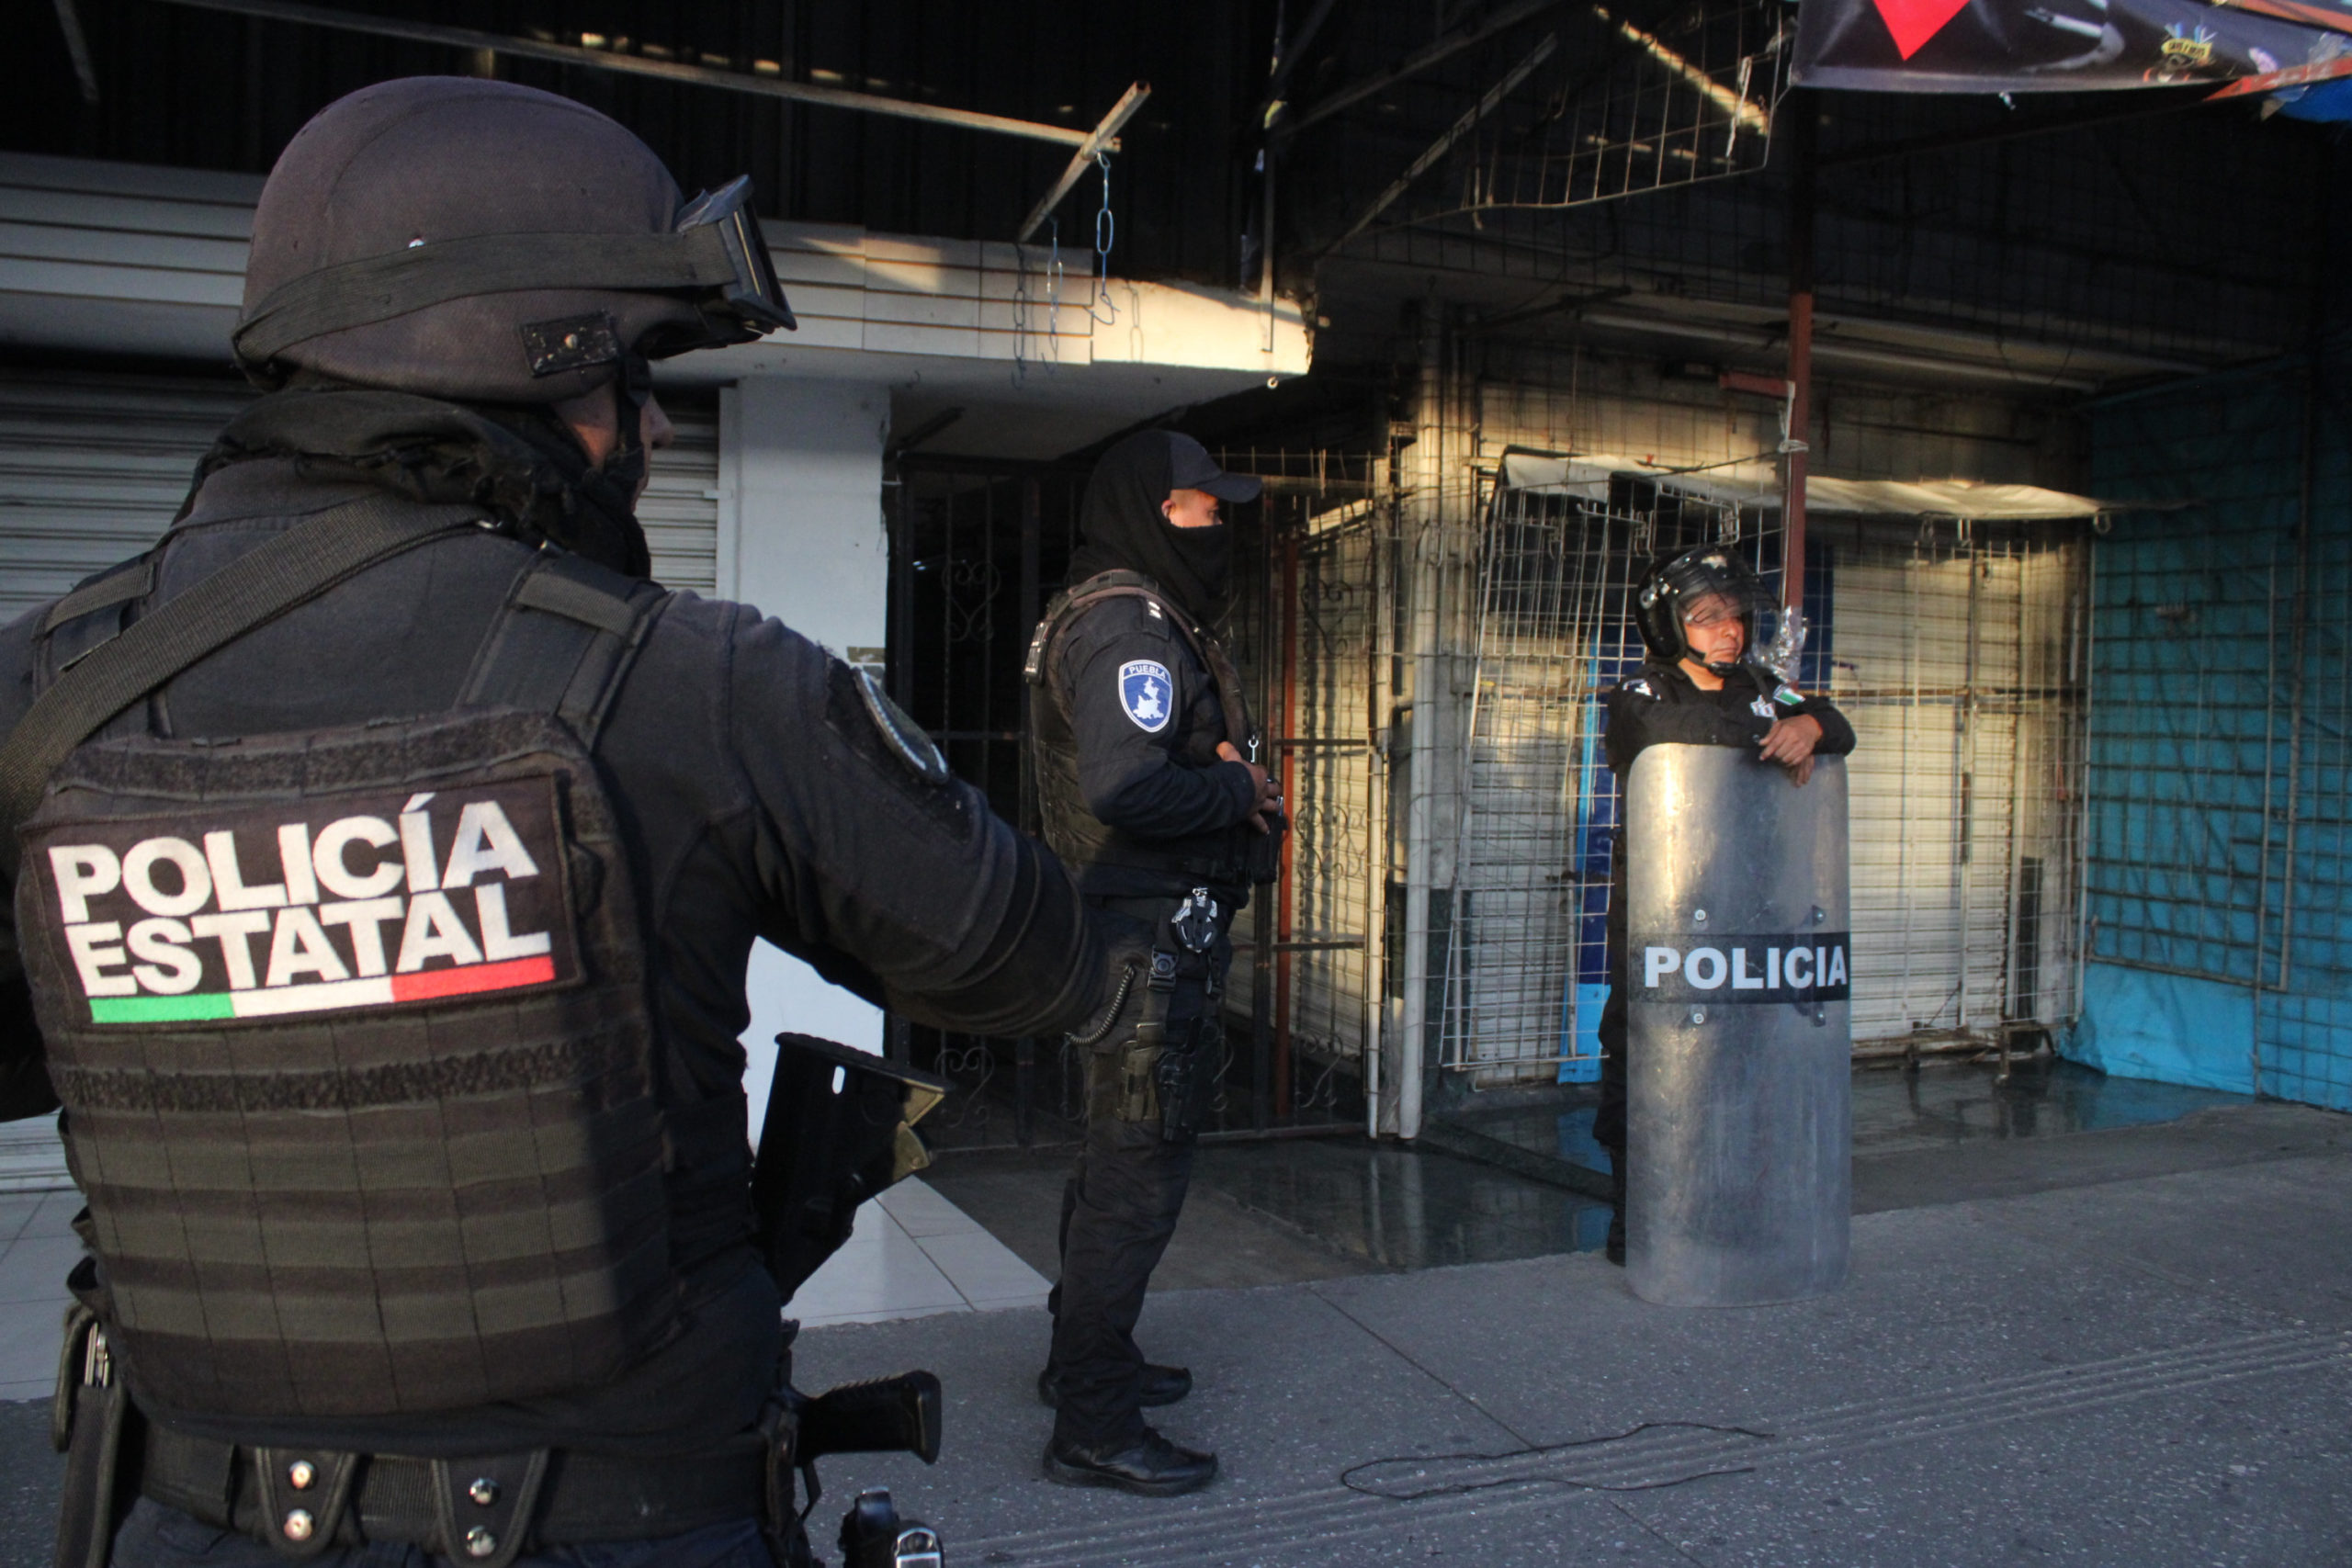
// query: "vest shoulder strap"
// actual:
[[257, 587], [1107, 585], [569, 631]]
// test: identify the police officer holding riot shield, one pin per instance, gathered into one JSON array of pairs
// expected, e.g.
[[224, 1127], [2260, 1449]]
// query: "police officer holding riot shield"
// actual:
[[1150, 791], [386, 935], [1704, 683]]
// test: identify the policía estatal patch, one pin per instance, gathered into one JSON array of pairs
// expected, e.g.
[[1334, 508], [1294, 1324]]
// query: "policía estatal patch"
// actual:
[[365, 900], [1146, 693], [1672, 966]]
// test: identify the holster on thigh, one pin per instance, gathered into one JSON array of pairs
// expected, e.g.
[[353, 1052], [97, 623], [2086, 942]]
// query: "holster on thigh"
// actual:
[[94, 1427]]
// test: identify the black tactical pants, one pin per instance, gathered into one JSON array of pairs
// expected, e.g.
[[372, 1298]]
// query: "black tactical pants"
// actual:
[[1123, 1198], [1609, 1126], [1608, 1123]]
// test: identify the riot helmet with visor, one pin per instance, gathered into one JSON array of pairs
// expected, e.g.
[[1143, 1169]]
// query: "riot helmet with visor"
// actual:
[[1704, 586]]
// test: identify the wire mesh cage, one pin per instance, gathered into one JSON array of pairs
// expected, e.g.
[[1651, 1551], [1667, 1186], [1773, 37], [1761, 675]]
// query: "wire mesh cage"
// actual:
[[1961, 656], [1620, 110]]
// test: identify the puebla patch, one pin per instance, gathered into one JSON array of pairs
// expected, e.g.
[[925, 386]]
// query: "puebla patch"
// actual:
[[1641, 686], [908, 740], [1146, 693], [1761, 708]]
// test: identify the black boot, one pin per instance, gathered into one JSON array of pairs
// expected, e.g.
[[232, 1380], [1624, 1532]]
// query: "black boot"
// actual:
[[1616, 1246], [1158, 1385], [1150, 1467]]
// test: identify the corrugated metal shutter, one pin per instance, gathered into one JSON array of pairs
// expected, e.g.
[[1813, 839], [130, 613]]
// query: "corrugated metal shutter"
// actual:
[[680, 509], [93, 467]]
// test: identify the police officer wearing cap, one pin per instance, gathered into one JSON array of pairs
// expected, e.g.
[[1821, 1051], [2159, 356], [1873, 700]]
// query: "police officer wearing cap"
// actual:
[[1151, 794], [385, 939], [1705, 681]]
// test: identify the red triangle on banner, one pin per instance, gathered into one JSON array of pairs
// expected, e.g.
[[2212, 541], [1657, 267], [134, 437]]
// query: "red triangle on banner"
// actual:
[[1914, 22]]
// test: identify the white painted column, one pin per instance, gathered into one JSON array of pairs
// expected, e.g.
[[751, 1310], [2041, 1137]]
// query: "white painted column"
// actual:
[[802, 536]]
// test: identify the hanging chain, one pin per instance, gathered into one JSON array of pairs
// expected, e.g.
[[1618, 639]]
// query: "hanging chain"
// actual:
[[1099, 305], [1106, 229]]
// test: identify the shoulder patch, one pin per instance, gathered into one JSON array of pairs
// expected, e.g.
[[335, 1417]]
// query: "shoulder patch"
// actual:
[[907, 739], [1790, 695], [1643, 686], [1146, 694]]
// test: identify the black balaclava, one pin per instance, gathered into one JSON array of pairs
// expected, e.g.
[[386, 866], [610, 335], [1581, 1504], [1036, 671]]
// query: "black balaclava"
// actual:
[[1124, 529], [518, 462]]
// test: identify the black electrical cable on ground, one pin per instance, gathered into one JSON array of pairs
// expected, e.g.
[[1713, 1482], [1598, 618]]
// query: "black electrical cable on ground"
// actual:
[[1347, 1476]]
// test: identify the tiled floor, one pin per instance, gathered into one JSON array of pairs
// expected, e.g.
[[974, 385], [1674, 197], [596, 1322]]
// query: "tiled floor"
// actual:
[[37, 1249], [914, 1254]]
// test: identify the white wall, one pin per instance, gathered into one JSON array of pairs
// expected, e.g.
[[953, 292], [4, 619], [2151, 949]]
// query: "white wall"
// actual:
[[800, 536]]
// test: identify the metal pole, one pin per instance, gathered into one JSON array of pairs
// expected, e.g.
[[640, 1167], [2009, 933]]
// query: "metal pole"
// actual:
[[1024, 1049], [1262, 920], [1427, 703], [1286, 761], [1802, 162]]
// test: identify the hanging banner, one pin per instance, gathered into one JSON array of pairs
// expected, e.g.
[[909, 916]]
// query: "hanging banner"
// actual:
[[2047, 46]]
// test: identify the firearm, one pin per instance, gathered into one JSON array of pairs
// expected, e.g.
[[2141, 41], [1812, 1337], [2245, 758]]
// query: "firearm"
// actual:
[[882, 1416]]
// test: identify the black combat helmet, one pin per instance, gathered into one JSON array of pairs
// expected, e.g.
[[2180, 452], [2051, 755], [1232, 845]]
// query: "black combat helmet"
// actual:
[[1708, 571], [487, 242]]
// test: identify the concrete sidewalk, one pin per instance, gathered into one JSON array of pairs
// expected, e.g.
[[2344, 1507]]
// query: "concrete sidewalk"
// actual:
[[2144, 1371], [2131, 1348]]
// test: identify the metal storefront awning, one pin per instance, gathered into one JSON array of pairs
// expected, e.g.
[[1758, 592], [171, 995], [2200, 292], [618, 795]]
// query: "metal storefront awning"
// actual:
[[1587, 474]]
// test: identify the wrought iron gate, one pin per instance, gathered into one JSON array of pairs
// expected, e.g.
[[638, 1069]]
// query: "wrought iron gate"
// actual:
[[977, 550]]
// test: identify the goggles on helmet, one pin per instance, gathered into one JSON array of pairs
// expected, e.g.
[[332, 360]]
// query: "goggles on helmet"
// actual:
[[750, 299], [715, 257]]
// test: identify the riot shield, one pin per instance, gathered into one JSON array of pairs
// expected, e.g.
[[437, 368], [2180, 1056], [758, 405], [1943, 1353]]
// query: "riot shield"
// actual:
[[1739, 1127]]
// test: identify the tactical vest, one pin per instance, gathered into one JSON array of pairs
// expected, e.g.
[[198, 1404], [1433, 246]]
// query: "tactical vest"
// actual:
[[1074, 833], [353, 1032]]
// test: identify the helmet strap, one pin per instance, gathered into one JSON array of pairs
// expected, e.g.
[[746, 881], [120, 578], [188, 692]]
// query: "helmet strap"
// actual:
[[626, 467]]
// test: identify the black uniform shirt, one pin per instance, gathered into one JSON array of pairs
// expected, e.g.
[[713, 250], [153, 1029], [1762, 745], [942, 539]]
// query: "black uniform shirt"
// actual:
[[1663, 703], [757, 802], [1145, 721]]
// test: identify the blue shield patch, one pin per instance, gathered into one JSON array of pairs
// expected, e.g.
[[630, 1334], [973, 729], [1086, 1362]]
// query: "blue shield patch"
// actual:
[[1146, 694]]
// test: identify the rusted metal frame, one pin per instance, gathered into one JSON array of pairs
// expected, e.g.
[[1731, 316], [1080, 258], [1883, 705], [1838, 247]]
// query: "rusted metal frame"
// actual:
[[1286, 883]]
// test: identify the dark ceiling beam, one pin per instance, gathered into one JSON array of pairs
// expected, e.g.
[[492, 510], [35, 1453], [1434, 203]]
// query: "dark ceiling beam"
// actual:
[[2144, 103], [1487, 105], [1442, 49], [77, 46], [639, 65], [1286, 59]]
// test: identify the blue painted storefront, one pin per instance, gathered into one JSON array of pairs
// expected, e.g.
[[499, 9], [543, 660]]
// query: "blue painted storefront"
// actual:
[[2220, 790]]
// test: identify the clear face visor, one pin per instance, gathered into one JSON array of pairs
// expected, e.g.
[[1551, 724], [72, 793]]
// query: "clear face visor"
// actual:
[[751, 304], [1714, 590]]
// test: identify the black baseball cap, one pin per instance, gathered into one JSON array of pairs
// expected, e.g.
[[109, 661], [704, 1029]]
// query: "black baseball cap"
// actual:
[[1190, 466]]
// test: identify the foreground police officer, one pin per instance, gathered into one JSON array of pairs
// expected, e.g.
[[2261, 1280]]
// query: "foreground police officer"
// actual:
[[388, 943], [1704, 683], [1138, 732]]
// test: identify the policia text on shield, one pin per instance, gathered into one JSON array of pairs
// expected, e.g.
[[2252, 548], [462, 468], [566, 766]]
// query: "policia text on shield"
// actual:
[[1724, 1039], [390, 854]]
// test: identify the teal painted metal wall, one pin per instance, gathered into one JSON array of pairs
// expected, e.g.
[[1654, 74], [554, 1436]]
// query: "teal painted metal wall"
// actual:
[[2220, 738]]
